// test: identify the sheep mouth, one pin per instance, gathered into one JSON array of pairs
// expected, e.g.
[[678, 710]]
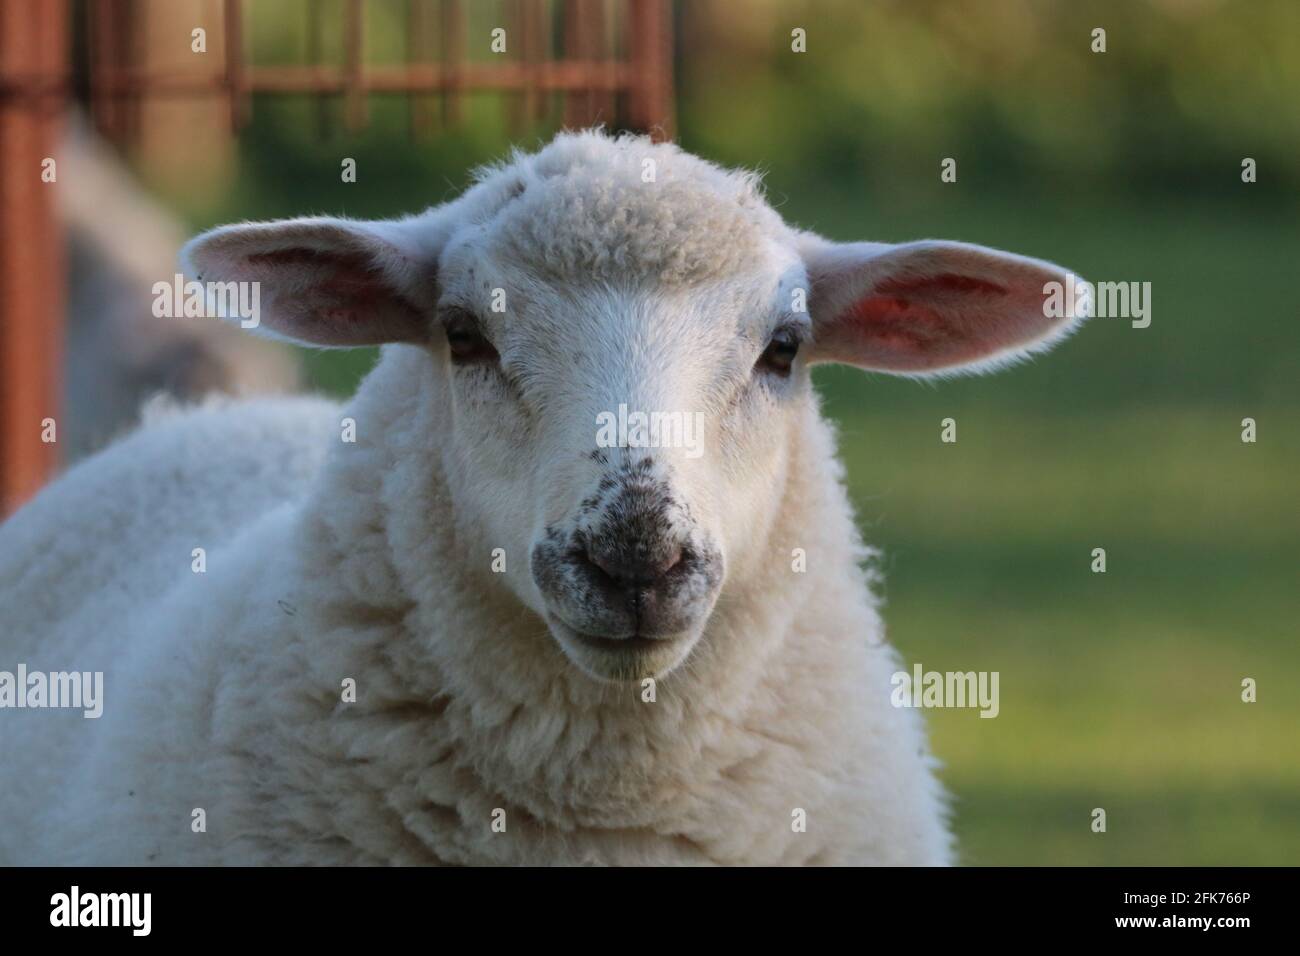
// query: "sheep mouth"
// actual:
[[622, 645], [619, 659]]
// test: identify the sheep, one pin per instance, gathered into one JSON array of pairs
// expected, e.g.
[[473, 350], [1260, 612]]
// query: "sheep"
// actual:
[[443, 623]]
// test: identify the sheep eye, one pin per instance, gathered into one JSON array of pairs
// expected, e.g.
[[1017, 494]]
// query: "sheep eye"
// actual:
[[467, 342], [779, 354]]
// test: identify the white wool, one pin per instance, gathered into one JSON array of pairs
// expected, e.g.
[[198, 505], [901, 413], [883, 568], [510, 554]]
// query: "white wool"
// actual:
[[223, 689], [331, 561], [589, 205]]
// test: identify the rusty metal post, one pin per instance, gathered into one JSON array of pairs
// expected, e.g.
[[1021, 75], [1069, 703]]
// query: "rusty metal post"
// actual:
[[234, 44], [512, 17], [585, 42], [650, 52], [417, 58], [354, 45], [99, 47], [453, 56], [526, 26], [33, 82], [601, 101], [315, 51], [111, 26], [577, 49], [538, 49]]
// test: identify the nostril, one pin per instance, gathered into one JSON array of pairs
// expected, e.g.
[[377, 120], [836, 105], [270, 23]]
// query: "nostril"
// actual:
[[659, 566], [636, 566]]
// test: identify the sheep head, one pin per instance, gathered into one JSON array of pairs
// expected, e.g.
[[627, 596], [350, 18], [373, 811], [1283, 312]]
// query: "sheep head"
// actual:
[[623, 335]]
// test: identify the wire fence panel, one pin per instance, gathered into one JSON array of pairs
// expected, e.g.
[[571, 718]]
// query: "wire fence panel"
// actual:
[[613, 66]]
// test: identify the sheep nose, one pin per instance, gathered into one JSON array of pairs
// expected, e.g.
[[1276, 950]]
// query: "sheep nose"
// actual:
[[634, 567]]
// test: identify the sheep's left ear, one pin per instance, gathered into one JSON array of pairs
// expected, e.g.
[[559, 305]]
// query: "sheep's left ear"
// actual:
[[323, 281], [933, 307]]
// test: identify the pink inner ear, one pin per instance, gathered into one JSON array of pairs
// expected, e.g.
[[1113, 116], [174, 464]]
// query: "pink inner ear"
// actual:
[[913, 324], [909, 336], [350, 280], [947, 282], [348, 303]]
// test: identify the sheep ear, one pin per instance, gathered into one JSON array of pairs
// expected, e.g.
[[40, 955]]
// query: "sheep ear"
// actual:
[[934, 307], [322, 281]]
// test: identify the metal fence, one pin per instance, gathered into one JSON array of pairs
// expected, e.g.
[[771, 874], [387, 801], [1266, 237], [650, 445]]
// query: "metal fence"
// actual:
[[571, 61]]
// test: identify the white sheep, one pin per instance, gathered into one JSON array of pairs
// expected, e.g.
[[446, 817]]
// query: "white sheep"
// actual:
[[476, 633]]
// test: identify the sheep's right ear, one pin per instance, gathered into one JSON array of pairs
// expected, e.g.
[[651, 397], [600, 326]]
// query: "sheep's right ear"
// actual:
[[925, 308], [323, 281]]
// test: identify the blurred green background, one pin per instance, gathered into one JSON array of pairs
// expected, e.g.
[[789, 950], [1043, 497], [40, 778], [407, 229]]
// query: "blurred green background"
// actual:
[[1119, 690]]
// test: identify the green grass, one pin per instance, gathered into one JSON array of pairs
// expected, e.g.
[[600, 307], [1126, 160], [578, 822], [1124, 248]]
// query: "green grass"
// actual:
[[1188, 822], [1119, 690]]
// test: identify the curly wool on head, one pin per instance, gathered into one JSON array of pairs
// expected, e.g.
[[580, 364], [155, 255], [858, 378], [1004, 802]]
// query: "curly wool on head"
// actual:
[[594, 205]]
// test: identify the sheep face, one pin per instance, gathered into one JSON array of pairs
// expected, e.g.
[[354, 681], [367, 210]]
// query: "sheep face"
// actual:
[[633, 434], [618, 337]]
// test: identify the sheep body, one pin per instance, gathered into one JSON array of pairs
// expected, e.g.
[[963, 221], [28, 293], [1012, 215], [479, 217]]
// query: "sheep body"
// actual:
[[223, 689], [86, 568]]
